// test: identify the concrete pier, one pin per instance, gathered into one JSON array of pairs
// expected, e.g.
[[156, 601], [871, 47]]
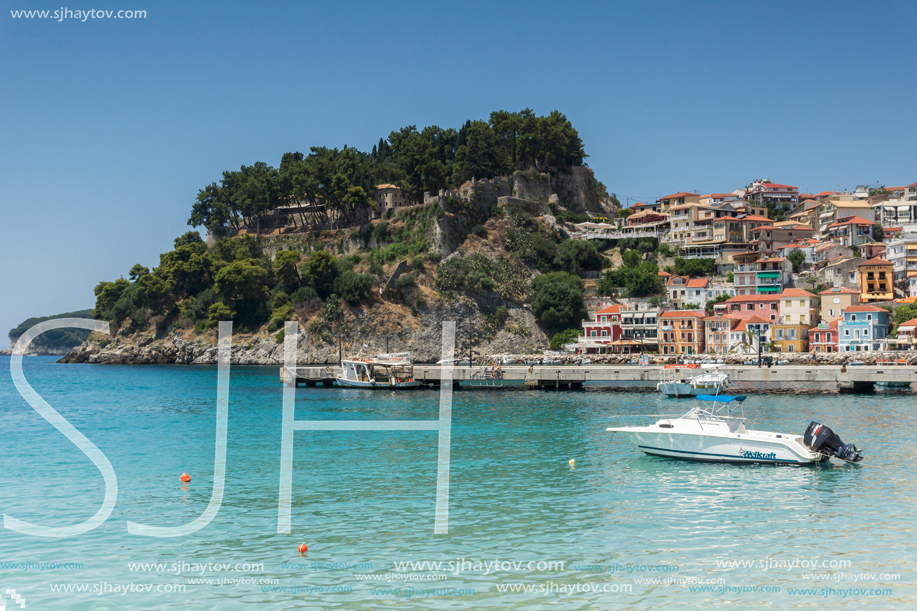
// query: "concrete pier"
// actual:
[[848, 379]]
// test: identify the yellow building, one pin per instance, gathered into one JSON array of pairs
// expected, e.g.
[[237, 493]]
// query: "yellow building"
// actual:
[[790, 337], [798, 306], [876, 280]]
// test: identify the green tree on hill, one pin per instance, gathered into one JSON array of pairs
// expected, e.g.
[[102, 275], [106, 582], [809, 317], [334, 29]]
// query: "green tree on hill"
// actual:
[[557, 301]]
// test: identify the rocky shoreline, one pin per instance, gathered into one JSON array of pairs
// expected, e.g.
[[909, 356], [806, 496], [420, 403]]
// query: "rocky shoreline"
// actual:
[[267, 351]]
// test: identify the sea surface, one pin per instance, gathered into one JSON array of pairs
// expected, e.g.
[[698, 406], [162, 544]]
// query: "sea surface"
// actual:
[[526, 530]]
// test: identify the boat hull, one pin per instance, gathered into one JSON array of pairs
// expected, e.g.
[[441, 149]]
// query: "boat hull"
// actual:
[[375, 385], [687, 389], [736, 449]]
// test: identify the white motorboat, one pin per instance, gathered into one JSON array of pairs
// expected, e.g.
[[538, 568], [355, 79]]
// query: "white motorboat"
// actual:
[[691, 380], [710, 432], [386, 371]]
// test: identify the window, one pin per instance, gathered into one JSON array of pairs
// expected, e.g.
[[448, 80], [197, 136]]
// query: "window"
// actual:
[[846, 332], [593, 334], [789, 317], [837, 300], [802, 303], [604, 333], [830, 312], [817, 338], [869, 317], [774, 306], [865, 332], [827, 338]]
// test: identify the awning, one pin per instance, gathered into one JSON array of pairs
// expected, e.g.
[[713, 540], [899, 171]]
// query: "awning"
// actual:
[[768, 274]]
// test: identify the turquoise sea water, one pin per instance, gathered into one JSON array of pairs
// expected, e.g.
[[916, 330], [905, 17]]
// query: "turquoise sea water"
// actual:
[[596, 536]]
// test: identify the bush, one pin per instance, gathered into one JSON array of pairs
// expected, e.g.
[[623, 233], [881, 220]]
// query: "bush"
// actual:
[[562, 338], [302, 295], [405, 280], [558, 301], [479, 230], [694, 267], [353, 287]]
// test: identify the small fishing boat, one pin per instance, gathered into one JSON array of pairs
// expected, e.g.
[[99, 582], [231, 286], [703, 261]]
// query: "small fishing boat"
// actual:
[[711, 432], [689, 380], [386, 371]]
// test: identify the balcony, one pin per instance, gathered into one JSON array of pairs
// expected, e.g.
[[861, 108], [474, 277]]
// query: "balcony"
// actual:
[[769, 274]]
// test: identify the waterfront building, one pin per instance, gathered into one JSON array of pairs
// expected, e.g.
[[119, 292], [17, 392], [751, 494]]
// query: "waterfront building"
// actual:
[[823, 338], [745, 337], [863, 329], [719, 328], [682, 332], [835, 300], [747, 306], [790, 337], [772, 274], [798, 306]]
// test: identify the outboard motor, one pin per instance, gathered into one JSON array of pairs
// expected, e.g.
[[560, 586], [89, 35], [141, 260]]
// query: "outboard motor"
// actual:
[[820, 438]]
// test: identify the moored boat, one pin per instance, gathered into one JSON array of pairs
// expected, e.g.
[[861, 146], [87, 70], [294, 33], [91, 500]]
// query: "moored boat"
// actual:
[[710, 432], [386, 371], [688, 380]]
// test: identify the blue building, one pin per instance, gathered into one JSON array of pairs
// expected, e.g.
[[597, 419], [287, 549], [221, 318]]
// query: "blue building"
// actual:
[[863, 328]]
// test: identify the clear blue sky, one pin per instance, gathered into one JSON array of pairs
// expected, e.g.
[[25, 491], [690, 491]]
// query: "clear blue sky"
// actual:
[[108, 128]]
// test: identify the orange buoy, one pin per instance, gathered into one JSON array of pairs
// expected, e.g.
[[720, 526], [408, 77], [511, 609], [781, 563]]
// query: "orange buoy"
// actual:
[[303, 548], [185, 477]]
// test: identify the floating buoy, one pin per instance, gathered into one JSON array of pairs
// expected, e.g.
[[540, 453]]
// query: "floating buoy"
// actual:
[[572, 463], [303, 548], [185, 477]]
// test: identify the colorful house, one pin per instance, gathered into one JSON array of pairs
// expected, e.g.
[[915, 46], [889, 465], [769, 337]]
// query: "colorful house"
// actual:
[[835, 300], [798, 306], [876, 280], [863, 329], [790, 337], [719, 328], [823, 338], [745, 337], [682, 332], [746, 306], [607, 323]]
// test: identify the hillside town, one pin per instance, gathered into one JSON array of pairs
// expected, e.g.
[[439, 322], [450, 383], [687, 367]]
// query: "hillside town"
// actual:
[[793, 272]]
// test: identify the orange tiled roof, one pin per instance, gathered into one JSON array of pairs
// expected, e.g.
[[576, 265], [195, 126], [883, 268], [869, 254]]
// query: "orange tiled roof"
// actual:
[[864, 308], [698, 283], [614, 309], [683, 314], [875, 261], [795, 293]]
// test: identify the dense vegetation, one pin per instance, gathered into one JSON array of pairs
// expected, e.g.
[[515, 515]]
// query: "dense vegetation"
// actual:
[[56, 339], [430, 159]]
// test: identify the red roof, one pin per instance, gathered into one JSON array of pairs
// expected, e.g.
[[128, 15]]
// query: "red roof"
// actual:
[[851, 220], [795, 293], [752, 217], [771, 259], [840, 290], [875, 261], [773, 185], [663, 274], [698, 283], [720, 195], [864, 308], [825, 193], [739, 298], [908, 323], [612, 309], [721, 316], [678, 195], [684, 314]]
